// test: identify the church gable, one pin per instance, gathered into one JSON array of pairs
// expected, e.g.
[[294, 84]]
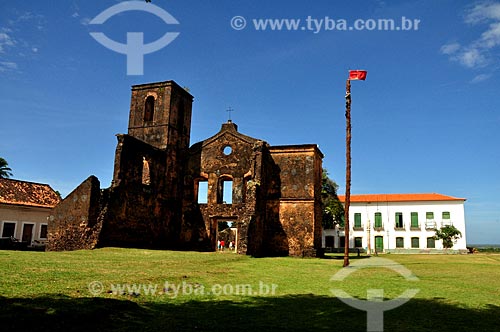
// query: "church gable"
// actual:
[[228, 152]]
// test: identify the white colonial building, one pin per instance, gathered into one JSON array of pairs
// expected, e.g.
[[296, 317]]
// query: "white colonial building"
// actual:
[[24, 208], [398, 223]]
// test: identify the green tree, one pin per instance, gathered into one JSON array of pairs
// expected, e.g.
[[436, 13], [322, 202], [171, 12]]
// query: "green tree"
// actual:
[[333, 211], [5, 171], [449, 234]]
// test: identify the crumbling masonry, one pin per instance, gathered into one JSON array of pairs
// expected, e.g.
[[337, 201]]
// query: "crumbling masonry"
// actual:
[[153, 199]]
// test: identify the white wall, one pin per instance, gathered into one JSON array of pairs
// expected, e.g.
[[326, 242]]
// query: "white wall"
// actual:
[[389, 234], [21, 215]]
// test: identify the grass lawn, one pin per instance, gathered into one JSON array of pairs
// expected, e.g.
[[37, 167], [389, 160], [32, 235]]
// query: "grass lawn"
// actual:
[[115, 289]]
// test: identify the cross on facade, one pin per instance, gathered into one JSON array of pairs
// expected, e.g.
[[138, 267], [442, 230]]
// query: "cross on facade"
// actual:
[[229, 110]]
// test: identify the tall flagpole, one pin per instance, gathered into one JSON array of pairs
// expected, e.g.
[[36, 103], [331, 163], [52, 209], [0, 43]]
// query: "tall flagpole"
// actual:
[[348, 170]]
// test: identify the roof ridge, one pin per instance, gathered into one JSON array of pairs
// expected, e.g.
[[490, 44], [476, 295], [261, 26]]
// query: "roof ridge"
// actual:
[[24, 181], [429, 196]]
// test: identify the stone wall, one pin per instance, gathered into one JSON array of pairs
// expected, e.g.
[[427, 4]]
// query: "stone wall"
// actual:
[[74, 223], [300, 202], [141, 209]]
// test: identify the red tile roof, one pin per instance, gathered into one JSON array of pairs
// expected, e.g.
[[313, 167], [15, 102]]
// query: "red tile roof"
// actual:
[[18, 192], [399, 198]]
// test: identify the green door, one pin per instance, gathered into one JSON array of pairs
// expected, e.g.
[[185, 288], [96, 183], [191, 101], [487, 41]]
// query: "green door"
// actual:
[[379, 243]]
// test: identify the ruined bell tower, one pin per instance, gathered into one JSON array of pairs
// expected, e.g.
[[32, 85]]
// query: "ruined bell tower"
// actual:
[[160, 115]]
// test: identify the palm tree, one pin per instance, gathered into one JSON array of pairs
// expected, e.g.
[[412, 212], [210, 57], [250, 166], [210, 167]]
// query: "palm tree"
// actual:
[[5, 171]]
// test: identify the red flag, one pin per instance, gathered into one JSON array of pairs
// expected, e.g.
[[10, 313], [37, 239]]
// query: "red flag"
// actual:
[[357, 75]]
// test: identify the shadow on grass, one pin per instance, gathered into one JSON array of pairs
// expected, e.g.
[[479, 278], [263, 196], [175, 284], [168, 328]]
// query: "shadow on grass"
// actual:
[[290, 313], [341, 257]]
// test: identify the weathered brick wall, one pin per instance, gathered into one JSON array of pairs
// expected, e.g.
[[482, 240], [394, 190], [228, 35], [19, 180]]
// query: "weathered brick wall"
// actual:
[[298, 171], [208, 161], [300, 202], [74, 223], [297, 219], [140, 214], [171, 122], [276, 194]]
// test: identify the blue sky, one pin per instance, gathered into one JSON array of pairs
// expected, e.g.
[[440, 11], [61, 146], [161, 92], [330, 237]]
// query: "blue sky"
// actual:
[[426, 119]]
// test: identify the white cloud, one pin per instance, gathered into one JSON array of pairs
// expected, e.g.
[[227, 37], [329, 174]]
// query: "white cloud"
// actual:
[[18, 37], [482, 12], [6, 65], [477, 53], [5, 40], [471, 58], [450, 48], [480, 78], [491, 37]]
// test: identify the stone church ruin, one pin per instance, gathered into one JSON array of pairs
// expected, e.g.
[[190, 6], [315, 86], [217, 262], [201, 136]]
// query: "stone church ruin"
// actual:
[[154, 198]]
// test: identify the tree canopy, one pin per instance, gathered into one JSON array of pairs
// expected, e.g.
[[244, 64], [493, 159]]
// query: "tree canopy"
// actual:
[[449, 234], [5, 171], [333, 211]]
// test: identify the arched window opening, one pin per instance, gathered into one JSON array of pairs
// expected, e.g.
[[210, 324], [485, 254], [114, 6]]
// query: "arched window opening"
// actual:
[[146, 177], [201, 191], [225, 191], [149, 109]]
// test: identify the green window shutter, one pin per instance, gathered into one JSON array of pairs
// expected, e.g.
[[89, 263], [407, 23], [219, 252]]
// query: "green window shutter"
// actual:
[[400, 242], [399, 219], [379, 243], [357, 220], [415, 242], [446, 215], [358, 242], [414, 219], [429, 215], [431, 243], [378, 219]]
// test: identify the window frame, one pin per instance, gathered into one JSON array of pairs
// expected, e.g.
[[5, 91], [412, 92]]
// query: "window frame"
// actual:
[[222, 189], [149, 114], [46, 231], [399, 219], [415, 238], [9, 222], [357, 218], [378, 219], [360, 239], [414, 217], [433, 241], [197, 191], [400, 242]]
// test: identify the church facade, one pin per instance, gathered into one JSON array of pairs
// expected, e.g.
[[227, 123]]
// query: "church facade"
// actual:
[[166, 194]]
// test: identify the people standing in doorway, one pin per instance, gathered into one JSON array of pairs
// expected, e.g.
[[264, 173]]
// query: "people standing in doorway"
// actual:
[[222, 245], [218, 245]]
